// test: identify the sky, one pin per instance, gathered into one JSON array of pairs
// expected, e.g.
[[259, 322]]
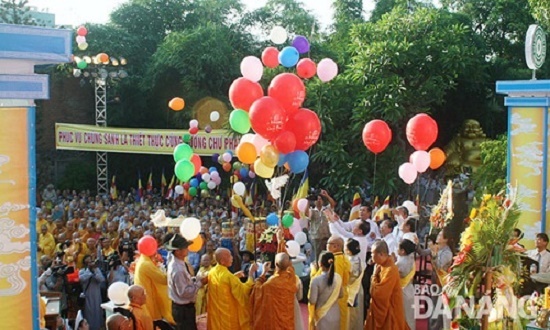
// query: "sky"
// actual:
[[76, 12]]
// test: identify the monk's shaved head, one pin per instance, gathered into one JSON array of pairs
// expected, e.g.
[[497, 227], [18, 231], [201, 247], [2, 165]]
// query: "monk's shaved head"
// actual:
[[335, 244], [135, 290], [223, 256], [282, 261], [381, 247]]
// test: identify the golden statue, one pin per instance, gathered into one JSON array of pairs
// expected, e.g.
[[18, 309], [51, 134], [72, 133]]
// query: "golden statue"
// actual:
[[464, 150]]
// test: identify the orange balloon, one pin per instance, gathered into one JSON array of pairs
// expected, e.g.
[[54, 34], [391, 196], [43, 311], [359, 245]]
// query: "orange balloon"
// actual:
[[246, 152], [203, 170], [197, 244], [437, 158], [295, 206], [176, 104], [226, 167], [102, 58]]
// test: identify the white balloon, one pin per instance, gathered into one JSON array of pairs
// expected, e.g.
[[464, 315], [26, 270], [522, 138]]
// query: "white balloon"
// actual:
[[327, 69], [216, 180], [206, 177], [211, 185], [411, 207], [214, 116], [193, 123], [302, 204], [226, 157], [214, 175], [292, 248], [239, 188], [301, 238], [190, 228], [252, 68], [420, 160], [278, 35], [118, 293], [248, 137], [259, 142], [80, 39], [179, 189]]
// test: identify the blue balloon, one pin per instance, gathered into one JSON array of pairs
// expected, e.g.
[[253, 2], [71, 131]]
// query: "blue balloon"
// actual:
[[272, 219], [215, 157], [213, 169], [199, 176], [244, 172], [289, 56], [297, 161], [194, 182], [282, 160]]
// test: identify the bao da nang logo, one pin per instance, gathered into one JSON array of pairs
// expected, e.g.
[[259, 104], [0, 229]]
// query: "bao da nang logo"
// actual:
[[429, 302]]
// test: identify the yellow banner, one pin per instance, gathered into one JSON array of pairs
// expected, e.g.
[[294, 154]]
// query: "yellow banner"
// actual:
[[18, 296], [140, 141]]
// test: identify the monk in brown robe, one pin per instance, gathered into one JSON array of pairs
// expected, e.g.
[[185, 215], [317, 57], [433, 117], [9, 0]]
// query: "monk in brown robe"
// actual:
[[386, 310], [272, 300]]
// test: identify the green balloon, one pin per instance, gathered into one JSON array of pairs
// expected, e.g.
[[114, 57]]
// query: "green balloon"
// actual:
[[288, 220], [184, 170], [182, 151], [82, 64], [186, 137], [237, 166], [203, 185], [239, 121], [193, 191]]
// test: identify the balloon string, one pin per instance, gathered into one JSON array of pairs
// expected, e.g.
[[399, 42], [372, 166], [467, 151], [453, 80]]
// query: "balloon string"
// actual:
[[374, 175]]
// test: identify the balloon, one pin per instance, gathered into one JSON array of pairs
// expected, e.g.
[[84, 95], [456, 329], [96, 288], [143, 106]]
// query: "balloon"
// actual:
[[214, 116], [80, 39], [420, 160], [234, 179], [272, 219], [205, 177], [226, 167], [82, 65], [239, 188], [243, 172], [302, 204], [289, 90], [184, 169], [227, 157], [186, 186], [196, 245], [306, 126], [239, 121], [147, 245], [83, 46], [282, 159], [211, 185], [270, 57], [102, 58], [376, 135], [237, 165], [411, 207], [197, 162], [205, 193], [190, 228], [285, 142], [293, 248], [259, 142], [278, 35], [251, 174], [243, 92], [193, 130], [437, 158], [269, 156], [186, 137], [301, 238], [81, 31], [208, 129], [252, 68], [247, 137], [179, 189], [203, 185], [176, 104], [194, 182], [327, 70], [297, 161], [215, 159], [203, 170], [421, 131], [193, 123], [267, 117], [262, 170], [301, 44], [407, 172], [118, 293], [287, 221], [246, 152], [288, 57], [182, 151], [193, 191], [306, 68]]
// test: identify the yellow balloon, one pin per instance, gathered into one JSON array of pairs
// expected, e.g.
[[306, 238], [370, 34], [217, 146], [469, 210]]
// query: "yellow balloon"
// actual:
[[234, 179], [269, 155], [262, 170], [246, 152]]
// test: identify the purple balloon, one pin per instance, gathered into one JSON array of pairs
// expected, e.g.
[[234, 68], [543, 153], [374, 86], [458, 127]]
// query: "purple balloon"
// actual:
[[301, 44], [215, 157]]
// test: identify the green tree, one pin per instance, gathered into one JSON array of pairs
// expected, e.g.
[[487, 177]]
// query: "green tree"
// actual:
[[541, 11], [491, 175], [16, 12]]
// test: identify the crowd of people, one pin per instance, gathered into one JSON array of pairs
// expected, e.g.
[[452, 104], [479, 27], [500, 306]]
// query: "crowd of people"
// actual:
[[353, 274]]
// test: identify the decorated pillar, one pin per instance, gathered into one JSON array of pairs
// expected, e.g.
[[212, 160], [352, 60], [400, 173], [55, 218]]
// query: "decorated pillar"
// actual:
[[21, 48]]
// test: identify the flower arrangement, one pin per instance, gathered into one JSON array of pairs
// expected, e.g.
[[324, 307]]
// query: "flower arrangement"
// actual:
[[267, 243], [442, 213], [488, 265]]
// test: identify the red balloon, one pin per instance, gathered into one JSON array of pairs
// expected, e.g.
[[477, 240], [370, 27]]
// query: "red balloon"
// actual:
[[193, 130], [197, 162], [267, 117], [306, 68], [289, 90], [81, 31], [285, 142], [306, 126], [186, 186], [421, 131], [376, 135], [147, 245], [237, 174], [270, 57], [243, 92]]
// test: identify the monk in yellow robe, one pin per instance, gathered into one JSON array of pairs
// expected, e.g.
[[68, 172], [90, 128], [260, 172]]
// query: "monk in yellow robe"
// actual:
[[386, 310], [155, 283], [228, 305], [273, 300], [342, 267], [46, 243]]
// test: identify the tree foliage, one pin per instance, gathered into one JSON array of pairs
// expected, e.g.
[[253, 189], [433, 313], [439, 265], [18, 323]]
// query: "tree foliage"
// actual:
[[491, 175], [16, 12]]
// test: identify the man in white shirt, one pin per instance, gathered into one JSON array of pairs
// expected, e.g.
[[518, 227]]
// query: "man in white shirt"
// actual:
[[365, 215], [359, 233], [540, 253], [386, 231]]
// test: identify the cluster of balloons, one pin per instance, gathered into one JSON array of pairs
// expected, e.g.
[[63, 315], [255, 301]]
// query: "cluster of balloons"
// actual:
[[204, 181], [190, 229], [81, 33], [176, 104], [188, 164], [421, 132]]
